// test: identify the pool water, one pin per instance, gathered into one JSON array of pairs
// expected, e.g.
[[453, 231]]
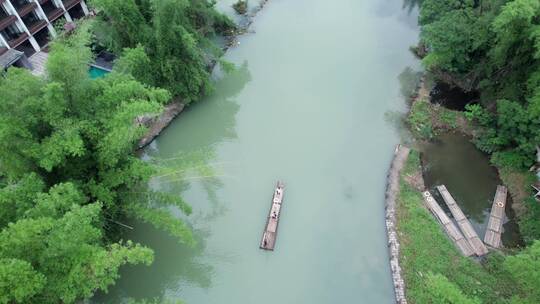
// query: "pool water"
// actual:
[[96, 72]]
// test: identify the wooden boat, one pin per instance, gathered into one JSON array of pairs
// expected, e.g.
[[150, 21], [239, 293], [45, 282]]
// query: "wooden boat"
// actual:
[[268, 240]]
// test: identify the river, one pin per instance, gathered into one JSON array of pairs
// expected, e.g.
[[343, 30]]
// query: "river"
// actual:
[[306, 107]]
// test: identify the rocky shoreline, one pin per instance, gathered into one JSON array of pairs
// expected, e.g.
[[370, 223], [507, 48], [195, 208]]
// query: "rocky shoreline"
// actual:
[[392, 190], [160, 122]]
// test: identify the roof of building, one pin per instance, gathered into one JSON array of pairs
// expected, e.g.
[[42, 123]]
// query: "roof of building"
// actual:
[[9, 58]]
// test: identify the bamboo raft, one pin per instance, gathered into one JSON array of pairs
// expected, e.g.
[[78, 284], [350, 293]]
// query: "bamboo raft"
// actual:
[[268, 240], [464, 225], [494, 228], [451, 230]]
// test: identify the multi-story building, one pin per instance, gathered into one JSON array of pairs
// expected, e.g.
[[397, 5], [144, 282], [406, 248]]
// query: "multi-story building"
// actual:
[[26, 25]]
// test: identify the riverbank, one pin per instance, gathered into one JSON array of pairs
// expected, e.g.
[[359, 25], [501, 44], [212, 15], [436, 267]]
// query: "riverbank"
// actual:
[[431, 265], [392, 190], [160, 122], [427, 120]]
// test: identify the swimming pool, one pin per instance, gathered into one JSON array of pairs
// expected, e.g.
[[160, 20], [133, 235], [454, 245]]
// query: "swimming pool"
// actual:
[[96, 72]]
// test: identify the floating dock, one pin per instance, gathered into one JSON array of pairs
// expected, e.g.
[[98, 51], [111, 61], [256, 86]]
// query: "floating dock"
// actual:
[[453, 232], [495, 223], [466, 228], [268, 240]]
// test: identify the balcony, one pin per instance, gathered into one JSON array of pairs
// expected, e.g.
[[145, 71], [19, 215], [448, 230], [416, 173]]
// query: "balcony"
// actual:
[[26, 9], [54, 14], [18, 40], [6, 21], [70, 3], [36, 26]]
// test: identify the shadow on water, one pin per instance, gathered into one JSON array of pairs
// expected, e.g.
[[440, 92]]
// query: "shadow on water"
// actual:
[[409, 80], [177, 266], [410, 5], [454, 161], [160, 277], [182, 162]]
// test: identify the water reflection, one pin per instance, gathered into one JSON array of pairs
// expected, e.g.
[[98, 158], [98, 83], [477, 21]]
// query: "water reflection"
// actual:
[[155, 281], [455, 162], [179, 162], [409, 80], [410, 5], [179, 167]]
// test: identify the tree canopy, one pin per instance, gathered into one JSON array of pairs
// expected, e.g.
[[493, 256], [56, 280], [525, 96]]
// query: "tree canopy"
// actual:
[[494, 47], [69, 177], [163, 43]]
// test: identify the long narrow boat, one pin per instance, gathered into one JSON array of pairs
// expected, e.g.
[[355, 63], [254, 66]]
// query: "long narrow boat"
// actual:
[[268, 240]]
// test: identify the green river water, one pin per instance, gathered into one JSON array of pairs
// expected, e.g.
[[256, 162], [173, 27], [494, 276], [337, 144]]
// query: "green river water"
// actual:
[[306, 107]]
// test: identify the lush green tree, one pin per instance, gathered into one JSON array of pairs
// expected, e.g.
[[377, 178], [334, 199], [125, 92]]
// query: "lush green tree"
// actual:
[[494, 47], [170, 47], [70, 176], [12, 273]]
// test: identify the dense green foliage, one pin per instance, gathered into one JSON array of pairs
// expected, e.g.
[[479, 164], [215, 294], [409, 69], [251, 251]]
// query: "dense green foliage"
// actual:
[[69, 177], [494, 47], [435, 272], [163, 43]]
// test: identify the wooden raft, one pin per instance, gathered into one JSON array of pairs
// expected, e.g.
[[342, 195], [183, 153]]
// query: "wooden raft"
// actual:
[[268, 240], [453, 232], [494, 228], [463, 223]]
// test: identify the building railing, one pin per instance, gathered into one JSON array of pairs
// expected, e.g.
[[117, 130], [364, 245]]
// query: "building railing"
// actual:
[[26, 9], [7, 21], [70, 3], [15, 42], [18, 4], [54, 14], [36, 26]]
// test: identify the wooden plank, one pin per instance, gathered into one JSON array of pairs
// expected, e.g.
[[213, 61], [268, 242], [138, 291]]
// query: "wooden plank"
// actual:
[[464, 246], [449, 227], [492, 238], [456, 212], [454, 232], [467, 229], [495, 224], [438, 212], [463, 223], [268, 240], [478, 246], [496, 218]]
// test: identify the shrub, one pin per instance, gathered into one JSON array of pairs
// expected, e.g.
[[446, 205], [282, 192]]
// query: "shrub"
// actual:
[[420, 120], [449, 118], [241, 7]]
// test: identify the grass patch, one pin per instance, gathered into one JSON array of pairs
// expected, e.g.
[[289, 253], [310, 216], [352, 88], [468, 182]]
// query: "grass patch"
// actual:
[[449, 118], [420, 120], [427, 253]]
